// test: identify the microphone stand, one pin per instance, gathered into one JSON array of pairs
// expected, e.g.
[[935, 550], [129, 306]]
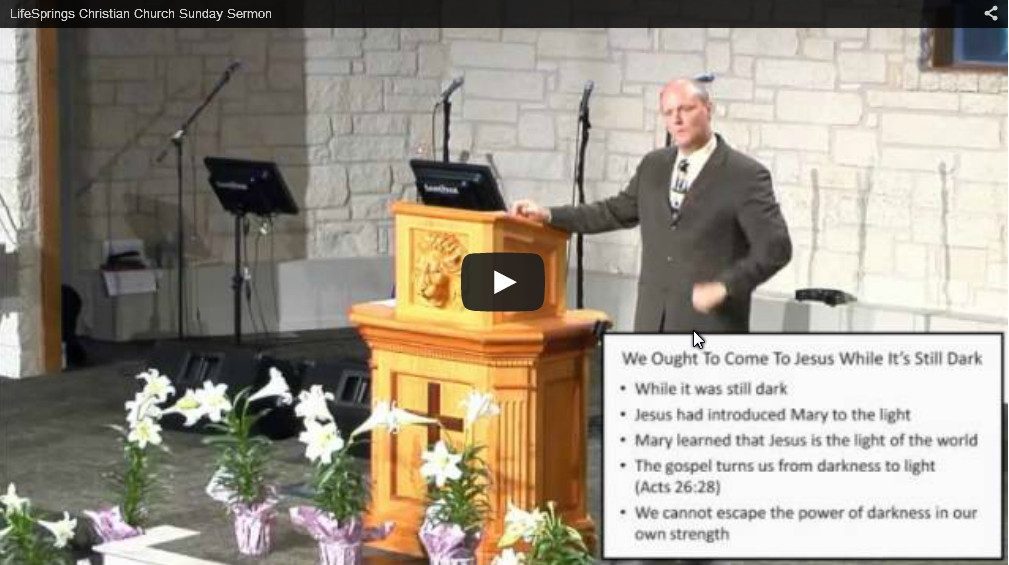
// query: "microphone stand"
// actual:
[[583, 140], [177, 140], [446, 112]]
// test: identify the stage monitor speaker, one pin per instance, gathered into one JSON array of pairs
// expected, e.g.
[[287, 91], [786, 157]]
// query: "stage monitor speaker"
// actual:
[[188, 365], [350, 382]]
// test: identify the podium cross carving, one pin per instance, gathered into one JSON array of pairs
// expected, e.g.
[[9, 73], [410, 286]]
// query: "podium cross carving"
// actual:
[[434, 411]]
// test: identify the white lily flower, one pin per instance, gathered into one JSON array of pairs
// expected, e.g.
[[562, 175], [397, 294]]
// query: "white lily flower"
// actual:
[[146, 431], [509, 557], [402, 417], [157, 386], [276, 387], [63, 530], [387, 414], [380, 416], [12, 502], [213, 400], [142, 406], [479, 405], [321, 440], [188, 406], [146, 374], [521, 524], [5, 531], [312, 404], [440, 464]]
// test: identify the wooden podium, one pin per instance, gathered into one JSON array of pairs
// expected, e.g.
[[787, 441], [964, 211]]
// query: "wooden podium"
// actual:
[[428, 352]]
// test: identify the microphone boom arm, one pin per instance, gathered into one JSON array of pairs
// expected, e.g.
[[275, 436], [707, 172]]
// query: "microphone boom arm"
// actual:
[[184, 128]]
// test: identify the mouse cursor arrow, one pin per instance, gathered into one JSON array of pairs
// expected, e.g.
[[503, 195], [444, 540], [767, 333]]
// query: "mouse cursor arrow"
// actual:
[[698, 341]]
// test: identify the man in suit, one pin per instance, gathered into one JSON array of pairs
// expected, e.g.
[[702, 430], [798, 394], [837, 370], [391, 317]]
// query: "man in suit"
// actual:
[[711, 229]]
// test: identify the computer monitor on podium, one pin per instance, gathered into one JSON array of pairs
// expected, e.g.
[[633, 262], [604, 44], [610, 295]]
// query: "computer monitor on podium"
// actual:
[[457, 185]]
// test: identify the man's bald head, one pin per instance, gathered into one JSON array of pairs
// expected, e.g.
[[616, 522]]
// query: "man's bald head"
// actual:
[[687, 86], [686, 109]]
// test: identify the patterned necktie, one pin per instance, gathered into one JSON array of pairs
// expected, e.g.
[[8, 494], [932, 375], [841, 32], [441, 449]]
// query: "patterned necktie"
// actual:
[[679, 189]]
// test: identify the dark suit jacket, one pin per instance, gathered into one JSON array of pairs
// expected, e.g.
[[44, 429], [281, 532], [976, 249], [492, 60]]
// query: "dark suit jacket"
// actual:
[[730, 229]]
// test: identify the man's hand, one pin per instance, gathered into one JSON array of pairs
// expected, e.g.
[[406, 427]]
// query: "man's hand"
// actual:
[[530, 210], [708, 295]]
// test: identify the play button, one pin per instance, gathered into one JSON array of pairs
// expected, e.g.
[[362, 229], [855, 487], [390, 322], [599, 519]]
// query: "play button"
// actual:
[[502, 282]]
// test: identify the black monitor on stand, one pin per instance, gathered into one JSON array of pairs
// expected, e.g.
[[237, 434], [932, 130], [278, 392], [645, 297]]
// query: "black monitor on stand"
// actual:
[[457, 185], [247, 187]]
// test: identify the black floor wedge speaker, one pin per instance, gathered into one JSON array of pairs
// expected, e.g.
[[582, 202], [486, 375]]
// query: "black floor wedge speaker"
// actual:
[[350, 382], [188, 365]]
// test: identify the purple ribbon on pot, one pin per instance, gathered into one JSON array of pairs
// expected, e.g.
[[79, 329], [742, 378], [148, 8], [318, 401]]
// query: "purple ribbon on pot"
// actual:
[[324, 528], [447, 541], [109, 525]]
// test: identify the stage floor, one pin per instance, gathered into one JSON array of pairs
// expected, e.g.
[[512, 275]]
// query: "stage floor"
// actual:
[[54, 446]]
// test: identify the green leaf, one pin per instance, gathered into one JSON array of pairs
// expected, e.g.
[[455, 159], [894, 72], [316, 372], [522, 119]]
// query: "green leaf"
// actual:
[[215, 440]]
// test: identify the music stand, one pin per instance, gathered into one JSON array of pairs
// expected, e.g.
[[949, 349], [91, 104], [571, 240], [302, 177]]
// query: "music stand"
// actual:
[[247, 187]]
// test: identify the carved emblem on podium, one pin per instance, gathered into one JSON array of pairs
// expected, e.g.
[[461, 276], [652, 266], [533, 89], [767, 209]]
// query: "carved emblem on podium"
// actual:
[[437, 269]]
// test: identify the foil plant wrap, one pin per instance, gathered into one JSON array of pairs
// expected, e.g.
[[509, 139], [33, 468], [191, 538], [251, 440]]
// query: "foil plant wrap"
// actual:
[[448, 544], [109, 525], [254, 525], [339, 543]]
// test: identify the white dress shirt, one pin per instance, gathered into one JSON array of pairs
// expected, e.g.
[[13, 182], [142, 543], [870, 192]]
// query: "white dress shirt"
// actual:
[[695, 162]]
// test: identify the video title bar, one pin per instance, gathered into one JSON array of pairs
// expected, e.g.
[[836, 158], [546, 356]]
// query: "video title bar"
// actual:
[[508, 13]]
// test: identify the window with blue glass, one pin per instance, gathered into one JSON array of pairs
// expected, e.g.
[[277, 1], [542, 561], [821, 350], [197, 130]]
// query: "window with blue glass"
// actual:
[[979, 47], [969, 48]]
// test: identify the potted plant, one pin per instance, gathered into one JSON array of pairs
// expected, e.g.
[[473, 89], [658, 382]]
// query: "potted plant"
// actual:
[[549, 540], [457, 484], [241, 477], [19, 539], [340, 489], [139, 478]]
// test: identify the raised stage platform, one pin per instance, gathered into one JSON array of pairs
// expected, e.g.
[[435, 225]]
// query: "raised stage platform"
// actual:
[[54, 446]]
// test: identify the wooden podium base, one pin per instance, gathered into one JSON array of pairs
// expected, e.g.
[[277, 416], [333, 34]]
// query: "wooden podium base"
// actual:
[[537, 371]]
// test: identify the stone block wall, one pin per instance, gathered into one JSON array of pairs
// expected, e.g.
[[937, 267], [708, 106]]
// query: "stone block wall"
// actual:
[[20, 337], [892, 175]]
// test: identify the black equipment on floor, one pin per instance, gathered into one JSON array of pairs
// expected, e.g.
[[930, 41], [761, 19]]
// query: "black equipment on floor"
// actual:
[[247, 187], [829, 296], [350, 382], [188, 365], [70, 306]]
